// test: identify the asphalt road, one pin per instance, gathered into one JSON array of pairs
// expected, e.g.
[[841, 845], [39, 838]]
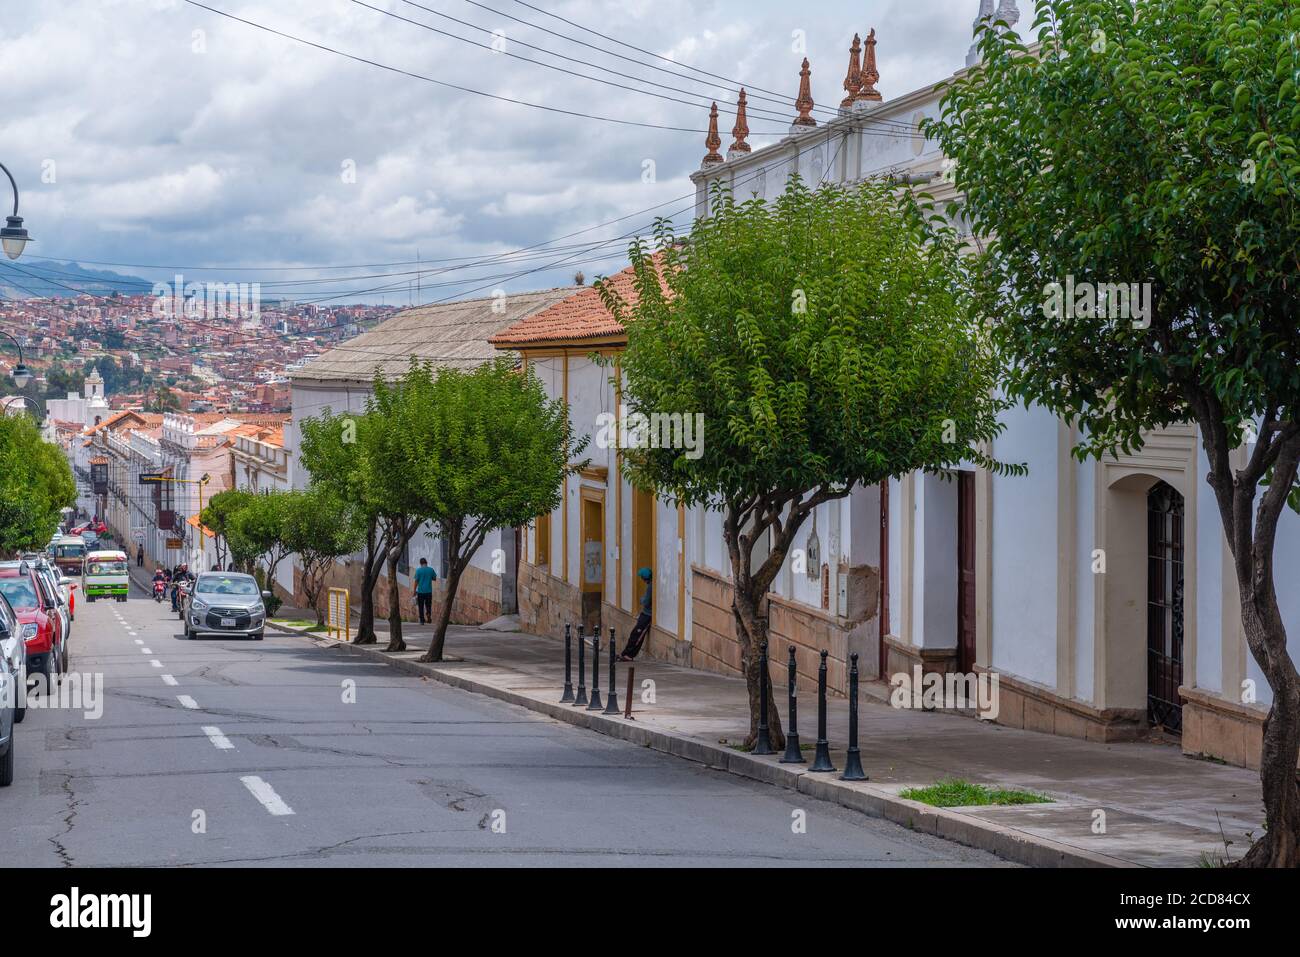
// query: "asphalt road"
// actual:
[[240, 753]]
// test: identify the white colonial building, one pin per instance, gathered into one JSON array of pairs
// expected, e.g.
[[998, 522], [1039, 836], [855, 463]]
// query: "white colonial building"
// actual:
[[1100, 592]]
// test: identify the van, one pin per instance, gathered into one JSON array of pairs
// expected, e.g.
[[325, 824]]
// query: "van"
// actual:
[[106, 576], [70, 555]]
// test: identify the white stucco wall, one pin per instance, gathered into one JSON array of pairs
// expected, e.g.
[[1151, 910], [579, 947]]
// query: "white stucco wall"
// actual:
[[1025, 548]]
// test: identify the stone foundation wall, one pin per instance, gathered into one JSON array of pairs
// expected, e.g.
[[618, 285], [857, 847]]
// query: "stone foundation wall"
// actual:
[[546, 604], [1222, 729], [1022, 704], [478, 599], [714, 646]]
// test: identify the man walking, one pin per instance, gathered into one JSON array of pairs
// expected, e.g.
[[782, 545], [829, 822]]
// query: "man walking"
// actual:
[[424, 578], [139, 556], [636, 637]]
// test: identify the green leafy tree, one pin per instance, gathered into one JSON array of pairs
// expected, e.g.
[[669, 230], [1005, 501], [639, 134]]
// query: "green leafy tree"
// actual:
[[36, 482], [486, 448], [332, 451], [1156, 142], [218, 515], [259, 532], [320, 527], [824, 340]]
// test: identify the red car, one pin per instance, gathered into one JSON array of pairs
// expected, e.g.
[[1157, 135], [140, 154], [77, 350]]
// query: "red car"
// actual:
[[99, 528], [40, 617]]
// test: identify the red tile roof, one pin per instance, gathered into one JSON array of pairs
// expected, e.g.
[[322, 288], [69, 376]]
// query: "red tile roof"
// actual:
[[578, 317]]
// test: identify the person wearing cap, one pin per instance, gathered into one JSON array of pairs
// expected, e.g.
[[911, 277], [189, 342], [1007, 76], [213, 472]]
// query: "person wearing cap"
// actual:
[[636, 637]]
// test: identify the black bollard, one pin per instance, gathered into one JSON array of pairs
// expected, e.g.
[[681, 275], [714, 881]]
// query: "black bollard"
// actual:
[[822, 759], [568, 665], [611, 697], [853, 763], [793, 754], [763, 743], [595, 671], [581, 699]]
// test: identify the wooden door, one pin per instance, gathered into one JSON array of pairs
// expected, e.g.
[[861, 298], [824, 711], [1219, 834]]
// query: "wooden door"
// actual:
[[965, 571]]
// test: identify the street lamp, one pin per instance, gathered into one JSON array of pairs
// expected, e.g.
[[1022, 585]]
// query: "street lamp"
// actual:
[[12, 236], [22, 374]]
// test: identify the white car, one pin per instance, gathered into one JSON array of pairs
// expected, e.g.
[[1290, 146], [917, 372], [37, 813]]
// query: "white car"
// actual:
[[13, 688]]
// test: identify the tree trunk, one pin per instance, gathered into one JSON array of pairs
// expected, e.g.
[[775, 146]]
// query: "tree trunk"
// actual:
[[751, 631], [1251, 531], [439, 639], [1279, 846], [369, 579], [452, 533], [395, 642]]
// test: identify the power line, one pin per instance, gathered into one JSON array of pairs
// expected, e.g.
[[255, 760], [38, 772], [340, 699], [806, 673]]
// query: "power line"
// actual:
[[730, 85], [551, 66], [443, 83]]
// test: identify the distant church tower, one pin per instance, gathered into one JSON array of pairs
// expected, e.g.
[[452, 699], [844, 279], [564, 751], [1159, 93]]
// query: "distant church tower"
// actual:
[[95, 385]]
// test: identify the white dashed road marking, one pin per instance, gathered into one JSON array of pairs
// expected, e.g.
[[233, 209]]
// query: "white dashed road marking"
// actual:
[[188, 702], [219, 740], [156, 663], [266, 795], [169, 680]]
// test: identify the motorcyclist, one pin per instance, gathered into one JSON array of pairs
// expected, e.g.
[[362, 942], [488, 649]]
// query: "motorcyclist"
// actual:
[[179, 577], [160, 578]]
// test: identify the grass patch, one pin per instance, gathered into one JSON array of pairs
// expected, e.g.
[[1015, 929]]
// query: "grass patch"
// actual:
[[958, 793]]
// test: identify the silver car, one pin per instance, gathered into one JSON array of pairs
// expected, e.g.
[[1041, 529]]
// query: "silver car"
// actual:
[[225, 603]]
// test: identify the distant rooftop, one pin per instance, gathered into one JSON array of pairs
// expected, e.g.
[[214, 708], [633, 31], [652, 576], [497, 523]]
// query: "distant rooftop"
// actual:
[[449, 334]]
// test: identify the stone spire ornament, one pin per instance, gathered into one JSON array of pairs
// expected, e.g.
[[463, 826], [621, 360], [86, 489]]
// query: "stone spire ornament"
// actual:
[[870, 75], [713, 140], [741, 130], [1008, 12], [853, 80], [804, 104]]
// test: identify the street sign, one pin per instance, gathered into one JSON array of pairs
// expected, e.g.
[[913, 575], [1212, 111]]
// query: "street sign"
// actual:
[[175, 543]]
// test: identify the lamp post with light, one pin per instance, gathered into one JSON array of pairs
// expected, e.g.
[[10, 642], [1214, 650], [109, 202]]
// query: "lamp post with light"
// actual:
[[22, 374], [13, 237]]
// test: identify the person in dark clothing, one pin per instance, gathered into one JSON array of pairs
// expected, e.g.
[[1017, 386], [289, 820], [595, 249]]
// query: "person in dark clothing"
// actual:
[[424, 578], [636, 637], [139, 556]]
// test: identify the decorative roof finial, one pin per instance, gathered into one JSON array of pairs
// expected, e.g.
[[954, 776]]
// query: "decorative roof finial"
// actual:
[[853, 81], [804, 104], [713, 140], [741, 129], [870, 75]]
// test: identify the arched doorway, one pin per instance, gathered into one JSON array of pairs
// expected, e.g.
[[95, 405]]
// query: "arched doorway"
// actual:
[[1166, 556]]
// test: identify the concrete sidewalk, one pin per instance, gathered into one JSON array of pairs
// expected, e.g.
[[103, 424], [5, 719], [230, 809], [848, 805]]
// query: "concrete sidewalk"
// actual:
[[1160, 808]]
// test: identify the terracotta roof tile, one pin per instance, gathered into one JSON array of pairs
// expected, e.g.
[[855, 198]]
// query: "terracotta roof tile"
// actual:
[[577, 317]]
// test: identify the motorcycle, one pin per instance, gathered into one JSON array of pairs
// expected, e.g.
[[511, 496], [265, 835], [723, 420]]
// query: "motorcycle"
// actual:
[[159, 590], [182, 592]]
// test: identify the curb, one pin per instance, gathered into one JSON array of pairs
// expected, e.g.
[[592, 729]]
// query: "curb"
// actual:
[[1008, 843]]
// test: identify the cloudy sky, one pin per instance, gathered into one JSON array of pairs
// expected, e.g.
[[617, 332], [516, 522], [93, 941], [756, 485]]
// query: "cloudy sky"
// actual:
[[154, 132]]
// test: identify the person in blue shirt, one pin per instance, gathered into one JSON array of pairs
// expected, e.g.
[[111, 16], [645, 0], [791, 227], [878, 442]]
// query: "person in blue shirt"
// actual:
[[639, 631], [424, 578]]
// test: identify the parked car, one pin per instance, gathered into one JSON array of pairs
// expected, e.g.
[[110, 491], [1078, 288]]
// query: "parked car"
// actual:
[[97, 527], [39, 616], [14, 652], [13, 689], [67, 588], [46, 573], [225, 603]]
